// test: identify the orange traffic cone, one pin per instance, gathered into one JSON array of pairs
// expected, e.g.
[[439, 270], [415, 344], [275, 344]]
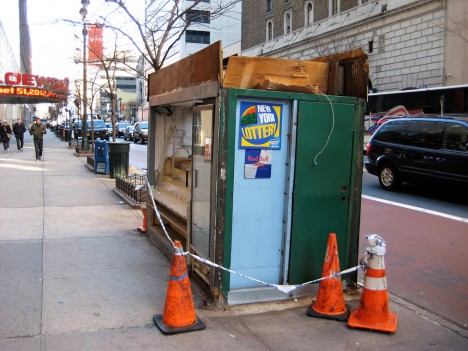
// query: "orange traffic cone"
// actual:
[[142, 229], [179, 312], [373, 312], [330, 301]]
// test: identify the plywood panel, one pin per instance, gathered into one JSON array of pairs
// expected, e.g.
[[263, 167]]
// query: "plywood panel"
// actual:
[[204, 66], [353, 81], [258, 72]]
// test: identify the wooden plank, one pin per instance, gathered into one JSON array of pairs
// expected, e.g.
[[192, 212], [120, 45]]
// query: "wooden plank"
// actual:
[[355, 79], [181, 193], [171, 202], [201, 67], [355, 76], [270, 85], [178, 225], [334, 86], [253, 72]]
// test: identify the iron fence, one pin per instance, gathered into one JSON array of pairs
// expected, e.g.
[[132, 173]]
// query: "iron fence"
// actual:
[[133, 186]]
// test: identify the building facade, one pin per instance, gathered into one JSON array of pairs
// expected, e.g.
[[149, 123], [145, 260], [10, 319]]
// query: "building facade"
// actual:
[[409, 43], [126, 102]]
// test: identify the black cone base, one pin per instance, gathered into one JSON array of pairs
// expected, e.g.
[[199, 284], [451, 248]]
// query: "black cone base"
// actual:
[[336, 317], [198, 325]]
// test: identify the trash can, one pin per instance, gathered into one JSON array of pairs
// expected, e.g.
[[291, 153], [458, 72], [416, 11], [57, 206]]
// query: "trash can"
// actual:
[[101, 159], [118, 159]]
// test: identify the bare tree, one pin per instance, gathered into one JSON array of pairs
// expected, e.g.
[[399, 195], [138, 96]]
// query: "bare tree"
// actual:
[[457, 28], [109, 64], [158, 34], [165, 23], [106, 63]]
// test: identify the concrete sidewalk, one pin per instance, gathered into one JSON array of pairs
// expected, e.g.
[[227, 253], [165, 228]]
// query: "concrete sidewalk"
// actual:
[[76, 275]]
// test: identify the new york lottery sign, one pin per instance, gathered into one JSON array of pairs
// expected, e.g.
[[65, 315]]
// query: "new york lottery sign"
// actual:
[[260, 125]]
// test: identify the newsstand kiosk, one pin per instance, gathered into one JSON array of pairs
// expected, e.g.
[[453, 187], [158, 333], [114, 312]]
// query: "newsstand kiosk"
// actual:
[[253, 167]]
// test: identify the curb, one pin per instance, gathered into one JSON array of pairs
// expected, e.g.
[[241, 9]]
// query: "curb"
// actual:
[[128, 200]]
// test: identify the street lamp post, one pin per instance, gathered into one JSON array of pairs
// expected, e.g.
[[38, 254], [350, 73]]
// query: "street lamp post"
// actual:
[[84, 125], [69, 127], [120, 107]]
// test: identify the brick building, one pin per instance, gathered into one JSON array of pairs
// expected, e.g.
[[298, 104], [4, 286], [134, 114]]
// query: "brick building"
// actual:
[[410, 43]]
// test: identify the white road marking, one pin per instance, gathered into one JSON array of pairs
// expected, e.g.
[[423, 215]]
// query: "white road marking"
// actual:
[[414, 208]]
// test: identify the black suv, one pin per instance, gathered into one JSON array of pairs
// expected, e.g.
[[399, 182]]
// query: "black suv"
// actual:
[[100, 130], [431, 150]]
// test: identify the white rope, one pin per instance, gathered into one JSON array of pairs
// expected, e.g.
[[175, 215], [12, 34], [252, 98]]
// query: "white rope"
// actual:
[[158, 215], [283, 288], [333, 119]]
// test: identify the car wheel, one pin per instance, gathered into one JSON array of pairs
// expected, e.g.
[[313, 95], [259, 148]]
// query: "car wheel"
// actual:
[[388, 177]]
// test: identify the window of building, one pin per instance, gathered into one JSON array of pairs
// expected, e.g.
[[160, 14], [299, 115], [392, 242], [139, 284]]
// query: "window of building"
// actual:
[[309, 13], [287, 22], [197, 37], [370, 46], [269, 31], [381, 43], [269, 6], [334, 7], [197, 16], [126, 87]]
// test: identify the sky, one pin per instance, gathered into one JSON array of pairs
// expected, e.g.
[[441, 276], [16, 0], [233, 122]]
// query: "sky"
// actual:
[[54, 41]]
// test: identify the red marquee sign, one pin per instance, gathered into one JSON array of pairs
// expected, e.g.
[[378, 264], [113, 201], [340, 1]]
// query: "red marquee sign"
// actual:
[[18, 88]]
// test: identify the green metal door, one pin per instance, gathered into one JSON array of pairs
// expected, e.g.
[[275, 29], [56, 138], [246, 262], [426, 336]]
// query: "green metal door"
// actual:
[[322, 179]]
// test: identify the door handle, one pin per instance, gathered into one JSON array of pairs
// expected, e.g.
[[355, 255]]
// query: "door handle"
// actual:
[[428, 158], [440, 159], [194, 178]]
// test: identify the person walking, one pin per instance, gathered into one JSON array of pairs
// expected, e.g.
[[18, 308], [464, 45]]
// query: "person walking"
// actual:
[[5, 135], [18, 130], [38, 130]]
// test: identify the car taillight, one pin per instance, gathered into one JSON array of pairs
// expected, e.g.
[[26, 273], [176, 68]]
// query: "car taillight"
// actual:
[[368, 148]]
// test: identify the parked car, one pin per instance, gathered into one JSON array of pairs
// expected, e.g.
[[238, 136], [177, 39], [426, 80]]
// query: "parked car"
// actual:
[[100, 130], [140, 133], [120, 128], [430, 150], [128, 133], [109, 128]]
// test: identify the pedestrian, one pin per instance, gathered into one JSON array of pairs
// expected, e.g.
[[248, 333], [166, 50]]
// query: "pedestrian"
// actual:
[[38, 130], [5, 135], [18, 130]]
